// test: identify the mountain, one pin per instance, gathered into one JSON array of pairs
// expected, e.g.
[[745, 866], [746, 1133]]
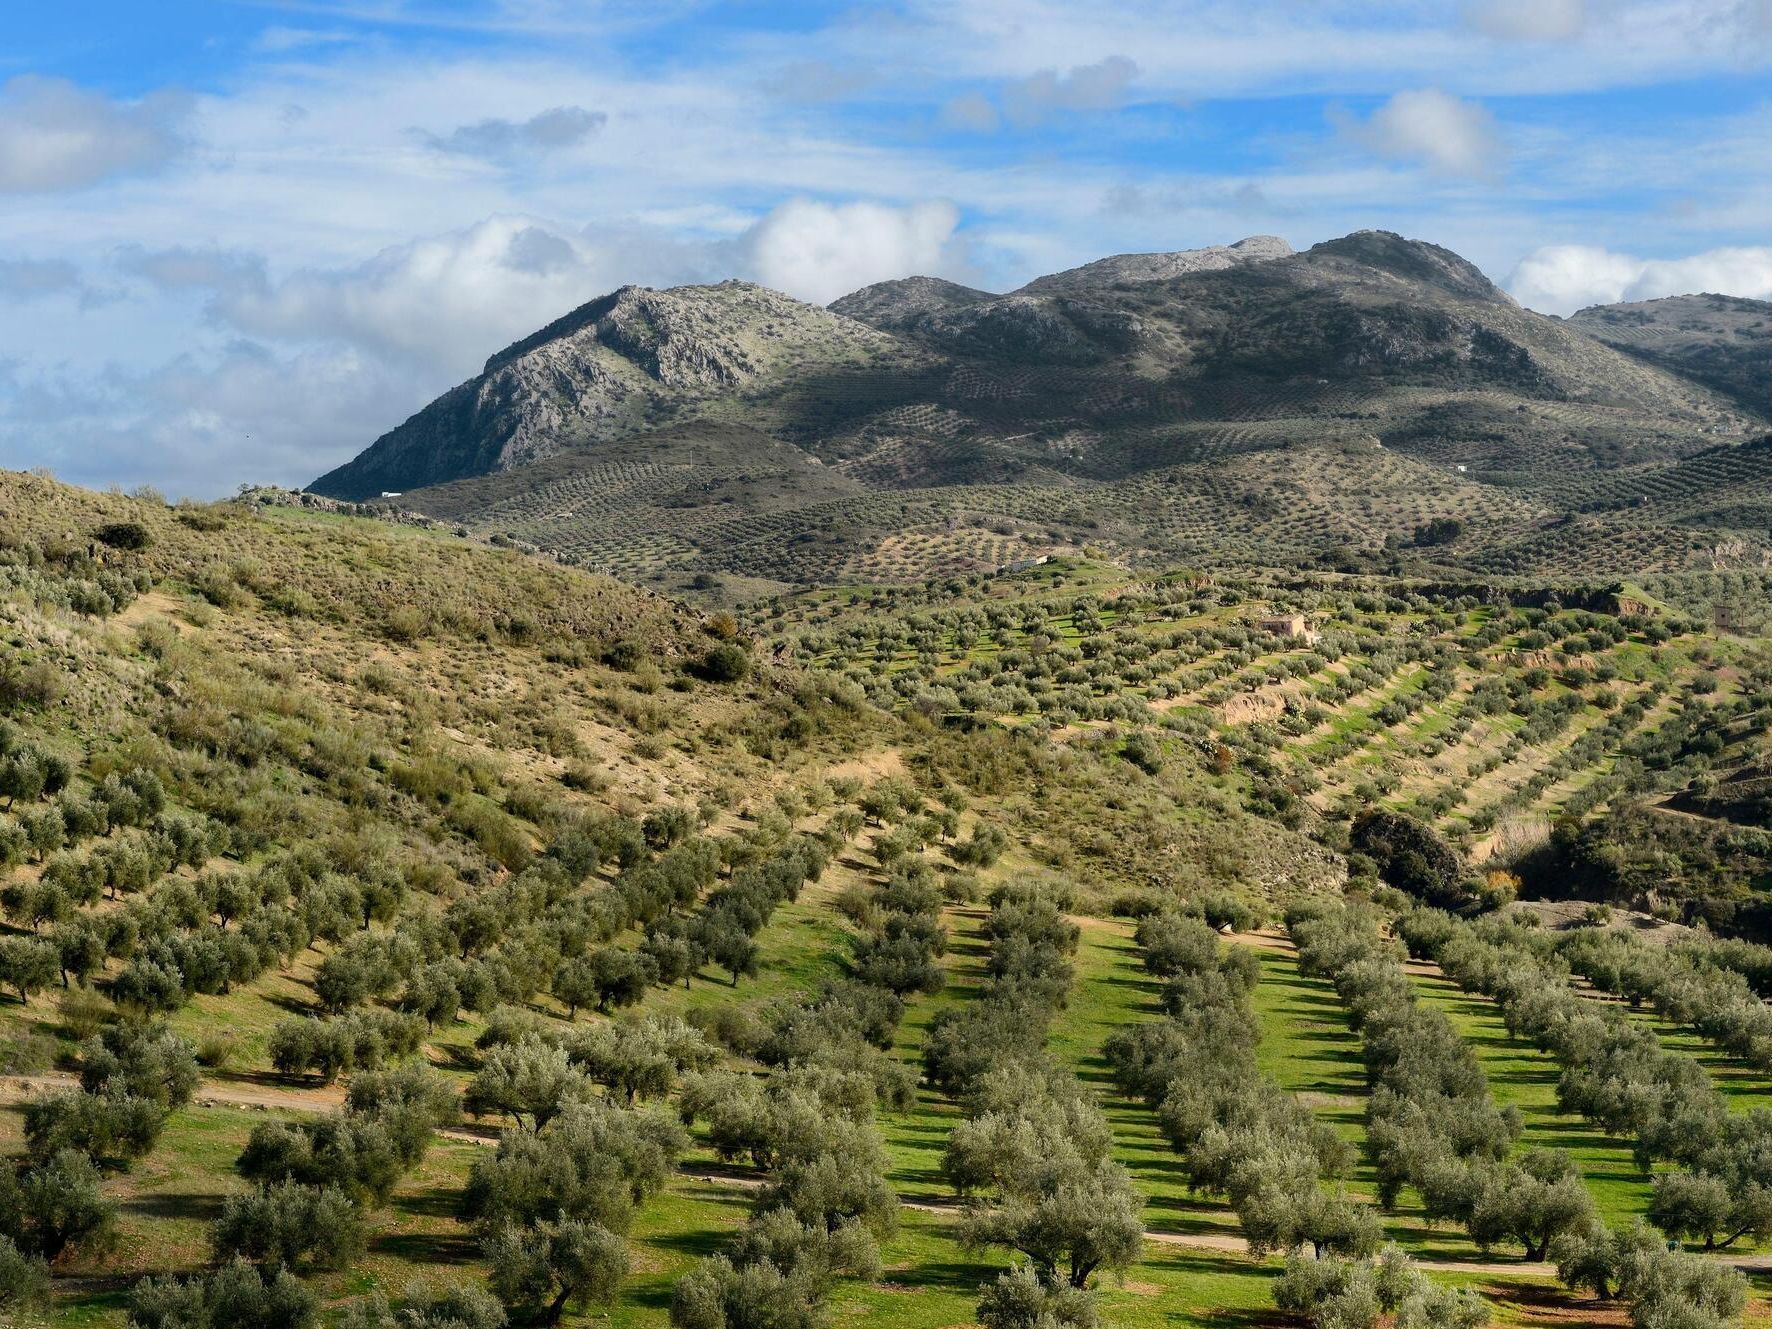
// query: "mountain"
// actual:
[[1123, 268], [898, 304], [606, 370], [1720, 340], [1243, 403]]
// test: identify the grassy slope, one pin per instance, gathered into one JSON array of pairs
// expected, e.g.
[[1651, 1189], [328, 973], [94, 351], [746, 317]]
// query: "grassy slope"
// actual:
[[1523, 1077]]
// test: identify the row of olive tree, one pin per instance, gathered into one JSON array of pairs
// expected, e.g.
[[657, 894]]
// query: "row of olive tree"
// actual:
[[1617, 1074], [1033, 1158], [1241, 1136], [1431, 1122], [1684, 984], [809, 1125]]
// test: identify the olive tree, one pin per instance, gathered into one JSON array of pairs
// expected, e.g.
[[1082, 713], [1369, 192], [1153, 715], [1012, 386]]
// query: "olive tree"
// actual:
[[556, 1264]]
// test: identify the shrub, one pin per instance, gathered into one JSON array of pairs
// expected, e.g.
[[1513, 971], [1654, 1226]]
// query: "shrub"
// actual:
[[726, 663], [235, 1294], [217, 1050], [290, 1226], [129, 535]]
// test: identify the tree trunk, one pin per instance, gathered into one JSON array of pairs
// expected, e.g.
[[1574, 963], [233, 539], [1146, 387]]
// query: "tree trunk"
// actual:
[[552, 1314]]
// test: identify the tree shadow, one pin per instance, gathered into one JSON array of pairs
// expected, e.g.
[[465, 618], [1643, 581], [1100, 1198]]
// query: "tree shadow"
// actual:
[[428, 1247]]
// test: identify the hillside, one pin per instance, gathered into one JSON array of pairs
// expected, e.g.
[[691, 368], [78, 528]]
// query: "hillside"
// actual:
[[369, 891], [1719, 340], [1150, 407]]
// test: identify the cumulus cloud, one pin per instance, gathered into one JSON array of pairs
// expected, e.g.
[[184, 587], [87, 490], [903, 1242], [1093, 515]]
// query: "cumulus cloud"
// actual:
[[442, 303], [312, 365], [445, 301], [55, 135], [1434, 129], [1028, 101], [1559, 279], [30, 279], [1527, 20], [199, 423], [1095, 87], [546, 131], [820, 251]]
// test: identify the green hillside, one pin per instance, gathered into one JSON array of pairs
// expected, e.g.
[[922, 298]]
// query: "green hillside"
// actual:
[[404, 930]]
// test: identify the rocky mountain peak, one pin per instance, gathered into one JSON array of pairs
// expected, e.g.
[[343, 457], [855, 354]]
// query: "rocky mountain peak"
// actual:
[[1414, 261], [1120, 268], [897, 304]]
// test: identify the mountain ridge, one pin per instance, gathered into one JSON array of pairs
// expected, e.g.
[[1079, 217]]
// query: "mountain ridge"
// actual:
[[730, 429]]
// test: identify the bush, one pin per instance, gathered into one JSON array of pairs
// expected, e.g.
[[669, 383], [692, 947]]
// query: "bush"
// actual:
[[29, 685], [726, 663], [26, 1054], [24, 1281], [128, 535], [233, 1295], [1411, 856], [290, 1226], [217, 1050]]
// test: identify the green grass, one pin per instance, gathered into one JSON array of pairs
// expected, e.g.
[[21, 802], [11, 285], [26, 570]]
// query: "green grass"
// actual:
[[1111, 992]]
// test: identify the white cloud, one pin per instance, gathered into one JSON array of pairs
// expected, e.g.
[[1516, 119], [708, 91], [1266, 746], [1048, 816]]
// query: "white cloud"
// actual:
[[202, 422], [56, 136], [1095, 87], [279, 40], [972, 112], [1431, 128], [445, 302], [1026, 102], [1559, 279], [1528, 20], [1754, 17], [186, 269], [29, 279], [817, 81], [547, 131], [820, 251]]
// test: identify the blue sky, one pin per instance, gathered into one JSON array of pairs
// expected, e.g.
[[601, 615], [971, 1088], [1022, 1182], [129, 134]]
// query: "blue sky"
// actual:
[[240, 240]]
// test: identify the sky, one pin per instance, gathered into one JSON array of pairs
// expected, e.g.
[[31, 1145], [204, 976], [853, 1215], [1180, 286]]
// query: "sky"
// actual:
[[240, 239]]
